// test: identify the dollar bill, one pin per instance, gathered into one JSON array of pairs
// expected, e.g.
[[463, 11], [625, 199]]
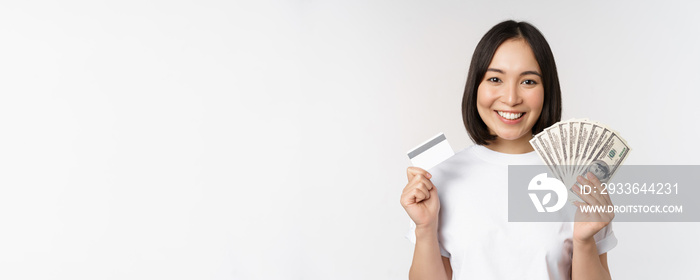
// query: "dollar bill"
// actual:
[[578, 146]]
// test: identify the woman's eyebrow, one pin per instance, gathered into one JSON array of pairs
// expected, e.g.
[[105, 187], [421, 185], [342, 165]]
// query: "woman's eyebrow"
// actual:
[[531, 72], [521, 74]]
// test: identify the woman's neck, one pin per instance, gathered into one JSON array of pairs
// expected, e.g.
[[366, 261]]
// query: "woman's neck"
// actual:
[[517, 146]]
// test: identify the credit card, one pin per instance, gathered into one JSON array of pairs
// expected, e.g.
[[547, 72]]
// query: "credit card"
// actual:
[[431, 152]]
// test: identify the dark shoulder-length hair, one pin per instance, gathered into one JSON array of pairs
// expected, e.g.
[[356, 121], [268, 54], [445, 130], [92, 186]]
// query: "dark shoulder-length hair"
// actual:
[[551, 108]]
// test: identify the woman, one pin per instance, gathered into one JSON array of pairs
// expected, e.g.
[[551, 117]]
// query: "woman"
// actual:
[[512, 93]]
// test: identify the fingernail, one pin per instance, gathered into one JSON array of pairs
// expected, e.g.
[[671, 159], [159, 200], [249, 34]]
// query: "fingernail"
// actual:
[[429, 175]]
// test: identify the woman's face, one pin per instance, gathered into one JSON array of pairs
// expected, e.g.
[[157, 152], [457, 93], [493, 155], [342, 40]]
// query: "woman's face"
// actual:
[[509, 98]]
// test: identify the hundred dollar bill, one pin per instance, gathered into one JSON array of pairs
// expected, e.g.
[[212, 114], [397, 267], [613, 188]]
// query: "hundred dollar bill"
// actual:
[[544, 150], [577, 146], [564, 142], [596, 139], [584, 132], [554, 139], [606, 161], [574, 130]]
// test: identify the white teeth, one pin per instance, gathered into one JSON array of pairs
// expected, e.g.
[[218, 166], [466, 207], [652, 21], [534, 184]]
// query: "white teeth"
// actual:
[[510, 116]]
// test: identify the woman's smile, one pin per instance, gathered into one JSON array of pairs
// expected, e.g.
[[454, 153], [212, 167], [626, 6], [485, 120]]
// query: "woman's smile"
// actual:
[[510, 116]]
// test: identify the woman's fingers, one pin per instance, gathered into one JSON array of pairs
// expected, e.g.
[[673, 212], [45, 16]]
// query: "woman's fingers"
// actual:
[[424, 185], [596, 197], [418, 189], [602, 191], [599, 192], [419, 195], [414, 194], [413, 171], [417, 181], [586, 197], [592, 178], [603, 197], [593, 196]]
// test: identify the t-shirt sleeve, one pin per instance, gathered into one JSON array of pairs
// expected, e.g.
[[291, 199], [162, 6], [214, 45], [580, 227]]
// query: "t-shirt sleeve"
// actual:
[[605, 239], [411, 236]]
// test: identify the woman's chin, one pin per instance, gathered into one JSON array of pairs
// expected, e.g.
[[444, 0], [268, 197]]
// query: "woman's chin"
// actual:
[[510, 136]]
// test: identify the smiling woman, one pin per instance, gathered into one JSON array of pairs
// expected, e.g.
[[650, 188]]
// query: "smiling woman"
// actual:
[[506, 63], [510, 97], [512, 93]]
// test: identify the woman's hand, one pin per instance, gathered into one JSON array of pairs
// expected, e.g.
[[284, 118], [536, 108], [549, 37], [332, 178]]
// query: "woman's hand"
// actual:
[[589, 223], [420, 198]]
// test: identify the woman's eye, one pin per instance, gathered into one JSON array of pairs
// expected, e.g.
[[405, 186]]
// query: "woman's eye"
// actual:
[[494, 80], [529, 82]]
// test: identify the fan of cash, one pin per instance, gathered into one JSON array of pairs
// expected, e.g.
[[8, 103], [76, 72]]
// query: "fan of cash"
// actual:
[[577, 146]]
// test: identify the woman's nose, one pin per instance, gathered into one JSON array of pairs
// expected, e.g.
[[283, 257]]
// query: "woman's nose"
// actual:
[[511, 96]]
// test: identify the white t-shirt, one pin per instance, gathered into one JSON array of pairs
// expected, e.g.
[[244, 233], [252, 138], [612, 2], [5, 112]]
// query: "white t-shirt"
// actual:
[[474, 231]]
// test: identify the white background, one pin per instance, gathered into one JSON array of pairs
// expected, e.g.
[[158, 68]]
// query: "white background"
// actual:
[[267, 140]]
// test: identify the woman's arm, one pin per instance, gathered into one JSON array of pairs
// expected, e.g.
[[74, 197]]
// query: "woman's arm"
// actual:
[[427, 261], [422, 203], [586, 263]]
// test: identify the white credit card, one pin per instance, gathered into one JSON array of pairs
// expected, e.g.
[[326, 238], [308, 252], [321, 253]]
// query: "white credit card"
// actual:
[[432, 152]]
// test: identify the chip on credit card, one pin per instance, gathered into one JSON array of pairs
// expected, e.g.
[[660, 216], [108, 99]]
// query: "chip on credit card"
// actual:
[[431, 152]]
